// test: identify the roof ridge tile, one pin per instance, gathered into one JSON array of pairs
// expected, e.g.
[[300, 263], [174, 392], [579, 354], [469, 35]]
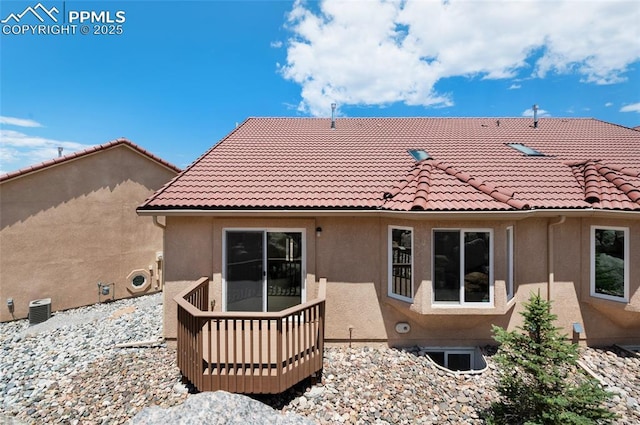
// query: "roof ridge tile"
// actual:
[[410, 176], [592, 185], [421, 196], [504, 196], [595, 171]]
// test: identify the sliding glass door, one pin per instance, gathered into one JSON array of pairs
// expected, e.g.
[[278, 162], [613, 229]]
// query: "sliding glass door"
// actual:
[[284, 270], [263, 269], [245, 271]]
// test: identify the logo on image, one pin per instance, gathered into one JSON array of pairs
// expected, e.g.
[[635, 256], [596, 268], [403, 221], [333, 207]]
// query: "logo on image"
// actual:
[[43, 20], [33, 11]]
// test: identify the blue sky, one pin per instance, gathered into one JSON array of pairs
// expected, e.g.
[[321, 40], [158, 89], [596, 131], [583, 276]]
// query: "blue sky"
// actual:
[[182, 74]]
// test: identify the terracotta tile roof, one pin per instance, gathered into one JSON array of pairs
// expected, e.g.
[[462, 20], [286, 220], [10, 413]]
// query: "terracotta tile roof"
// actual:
[[85, 152], [277, 163], [600, 181]]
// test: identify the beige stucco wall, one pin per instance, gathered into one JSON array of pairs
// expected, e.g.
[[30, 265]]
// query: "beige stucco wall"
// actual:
[[351, 254], [193, 249], [67, 227]]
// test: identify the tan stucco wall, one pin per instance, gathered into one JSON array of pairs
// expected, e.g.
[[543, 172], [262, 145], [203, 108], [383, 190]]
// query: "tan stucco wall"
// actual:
[[193, 249], [351, 254], [67, 227]]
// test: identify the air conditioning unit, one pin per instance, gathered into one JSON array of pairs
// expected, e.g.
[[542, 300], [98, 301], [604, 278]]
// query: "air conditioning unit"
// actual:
[[39, 311]]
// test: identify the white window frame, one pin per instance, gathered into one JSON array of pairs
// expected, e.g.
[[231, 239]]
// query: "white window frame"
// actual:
[[390, 292], [462, 302], [510, 263], [453, 350], [592, 264], [264, 230]]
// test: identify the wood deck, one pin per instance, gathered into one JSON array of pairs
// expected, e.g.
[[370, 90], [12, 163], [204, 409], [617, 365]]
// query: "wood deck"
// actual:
[[247, 352]]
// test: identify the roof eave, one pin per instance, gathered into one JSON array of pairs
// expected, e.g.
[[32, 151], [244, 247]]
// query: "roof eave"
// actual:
[[412, 215]]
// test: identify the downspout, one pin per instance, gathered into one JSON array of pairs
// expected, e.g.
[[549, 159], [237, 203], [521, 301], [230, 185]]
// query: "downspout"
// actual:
[[550, 262], [157, 223], [159, 258]]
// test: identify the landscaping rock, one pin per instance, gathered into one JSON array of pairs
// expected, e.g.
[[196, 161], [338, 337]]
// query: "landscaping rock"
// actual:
[[218, 408], [70, 370]]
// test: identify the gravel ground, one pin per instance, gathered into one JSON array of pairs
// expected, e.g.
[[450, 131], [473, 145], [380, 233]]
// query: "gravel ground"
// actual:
[[389, 386], [70, 370]]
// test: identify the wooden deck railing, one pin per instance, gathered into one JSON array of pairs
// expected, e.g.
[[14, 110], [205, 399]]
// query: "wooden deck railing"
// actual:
[[246, 352]]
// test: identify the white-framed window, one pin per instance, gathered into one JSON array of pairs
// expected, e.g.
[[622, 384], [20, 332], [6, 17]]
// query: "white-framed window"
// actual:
[[509, 274], [463, 266], [455, 359], [610, 263], [401, 263]]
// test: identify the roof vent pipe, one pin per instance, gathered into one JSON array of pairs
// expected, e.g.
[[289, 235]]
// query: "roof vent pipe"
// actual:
[[535, 116], [333, 115], [60, 148]]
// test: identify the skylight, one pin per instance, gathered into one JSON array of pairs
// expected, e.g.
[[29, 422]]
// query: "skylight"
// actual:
[[525, 149], [419, 154]]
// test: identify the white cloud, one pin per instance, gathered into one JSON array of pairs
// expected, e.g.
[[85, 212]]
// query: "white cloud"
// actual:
[[18, 150], [276, 44], [608, 104], [515, 86], [19, 122], [541, 113], [380, 52], [634, 107]]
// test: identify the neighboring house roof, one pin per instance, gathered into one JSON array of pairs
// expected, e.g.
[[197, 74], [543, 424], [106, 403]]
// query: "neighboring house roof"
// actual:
[[364, 163], [86, 152]]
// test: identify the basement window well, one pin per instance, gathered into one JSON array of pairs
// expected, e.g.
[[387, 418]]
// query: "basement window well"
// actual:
[[457, 359], [528, 151]]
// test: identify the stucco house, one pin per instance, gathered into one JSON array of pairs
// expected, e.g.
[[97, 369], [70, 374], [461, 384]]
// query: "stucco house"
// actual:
[[415, 231], [69, 233]]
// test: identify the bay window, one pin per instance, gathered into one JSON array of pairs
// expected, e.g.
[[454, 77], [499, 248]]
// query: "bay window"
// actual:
[[401, 263], [610, 263], [463, 266]]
